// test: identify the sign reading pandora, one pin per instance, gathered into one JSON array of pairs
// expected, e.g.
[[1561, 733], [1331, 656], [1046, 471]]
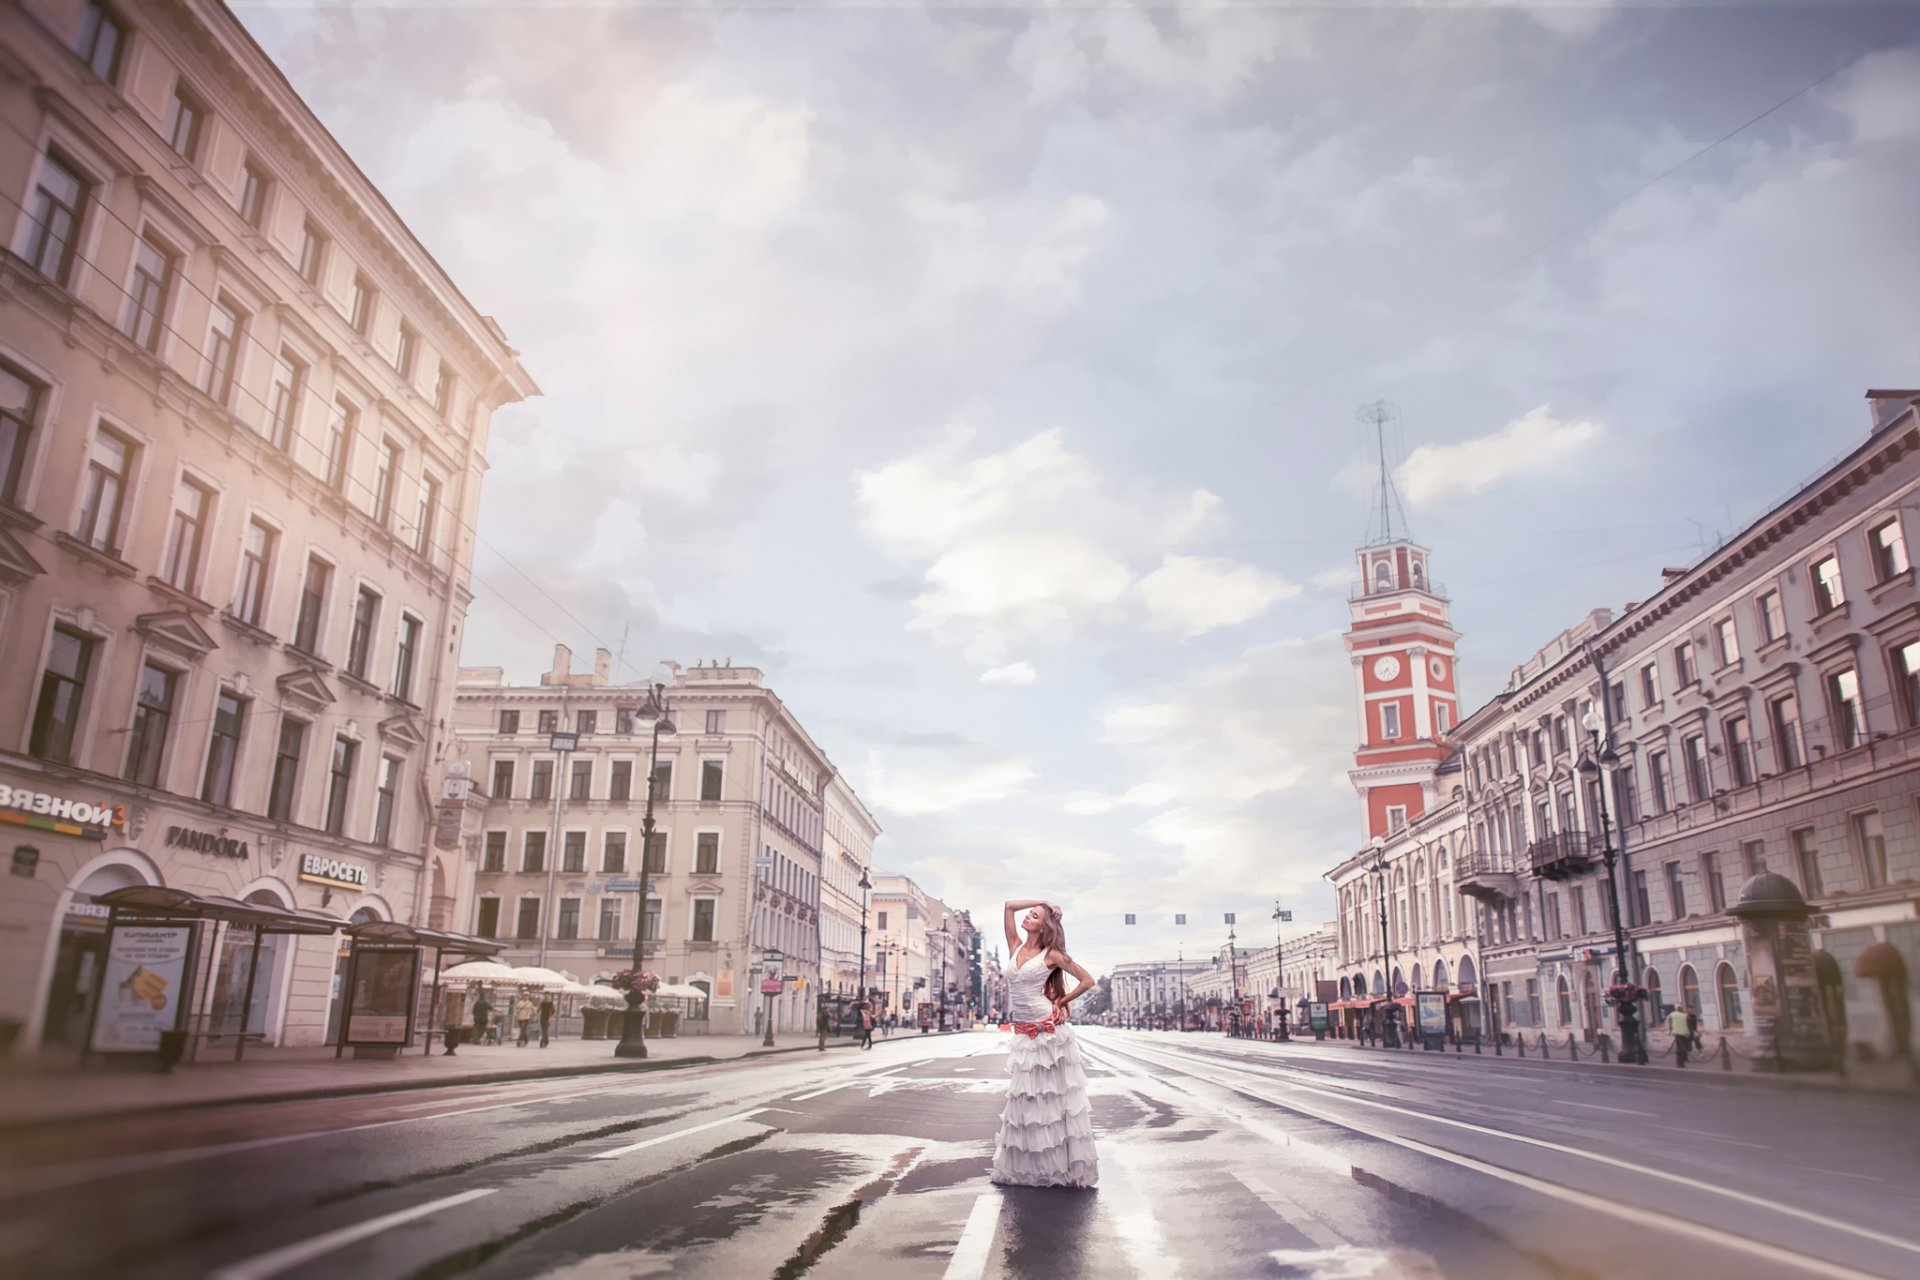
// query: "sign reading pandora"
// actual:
[[320, 869]]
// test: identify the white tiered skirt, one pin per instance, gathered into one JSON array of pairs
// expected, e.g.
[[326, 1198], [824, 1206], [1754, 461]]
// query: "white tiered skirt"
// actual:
[[1046, 1130]]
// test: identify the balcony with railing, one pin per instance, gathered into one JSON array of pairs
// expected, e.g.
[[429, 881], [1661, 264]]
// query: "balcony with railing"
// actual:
[[1486, 877], [1563, 855]]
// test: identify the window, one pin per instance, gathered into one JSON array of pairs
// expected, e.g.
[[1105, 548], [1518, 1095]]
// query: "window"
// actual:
[[1617, 699], [1784, 711], [883, 921], [502, 779], [223, 748], [341, 425], [192, 502], [1693, 750], [360, 311], [1550, 916], [1396, 817], [1716, 884], [253, 194], [712, 775], [573, 852], [609, 919], [340, 784], [656, 859], [1889, 547], [1533, 1001], [256, 562], [406, 657], [662, 781], [1578, 899], [716, 722], [706, 853], [542, 788], [313, 605], [613, 852], [495, 856], [1727, 987], [585, 722], [1565, 1000], [1753, 858], [569, 925], [620, 780], [1773, 616], [283, 399], [392, 456], [313, 251], [184, 121], [152, 717], [366, 611], [19, 412], [1442, 717], [109, 470], [407, 351], [1642, 898], [101, 39], [1806, 859], [387, 800], [223, 350], [1727, 638], [1389, 720], [533, 851], [1740, 750], [1870, 846], [702, 920], [580, 786], [1906, 674], [549, 721], [1559, 735], [1829, 593], [1684, 673], [651, 920], [623, 720], [528, 925], [1849, 715], [147, 293], [1676, 891], [286, 769], [1650, 685], [487, 923], [509, 722], [443, 389], [1689, 989], [429, 517]]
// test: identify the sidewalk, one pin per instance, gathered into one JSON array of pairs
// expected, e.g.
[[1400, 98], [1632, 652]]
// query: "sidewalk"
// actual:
[[36, 1094]]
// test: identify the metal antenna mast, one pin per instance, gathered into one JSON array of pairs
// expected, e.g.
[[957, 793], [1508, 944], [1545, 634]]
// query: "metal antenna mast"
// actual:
[[1378, 415]]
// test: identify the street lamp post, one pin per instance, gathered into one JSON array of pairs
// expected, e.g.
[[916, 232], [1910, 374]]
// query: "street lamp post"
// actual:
[[865, 886], [1281, 916], [1600, 767], [633, 1031], [769, 980], [1389, 1030]]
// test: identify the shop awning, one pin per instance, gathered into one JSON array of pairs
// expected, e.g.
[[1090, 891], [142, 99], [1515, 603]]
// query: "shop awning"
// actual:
[[158, 902], [394, 933]]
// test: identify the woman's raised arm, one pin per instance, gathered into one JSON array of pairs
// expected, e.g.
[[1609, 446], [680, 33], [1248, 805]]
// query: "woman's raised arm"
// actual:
[[1012, 925]]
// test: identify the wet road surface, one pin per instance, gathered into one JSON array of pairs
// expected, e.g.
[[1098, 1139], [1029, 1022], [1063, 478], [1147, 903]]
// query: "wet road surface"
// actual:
[[1218, 1159]]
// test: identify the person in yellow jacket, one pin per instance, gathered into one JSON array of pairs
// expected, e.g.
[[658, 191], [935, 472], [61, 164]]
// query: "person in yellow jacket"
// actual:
[[523, 1011], [1682, 1034]]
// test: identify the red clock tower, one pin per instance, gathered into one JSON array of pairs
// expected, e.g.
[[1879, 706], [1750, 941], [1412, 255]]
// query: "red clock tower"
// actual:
[[1403, 645]]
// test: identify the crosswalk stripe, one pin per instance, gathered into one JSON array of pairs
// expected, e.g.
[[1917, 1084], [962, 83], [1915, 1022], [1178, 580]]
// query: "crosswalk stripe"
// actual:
[[971, 1251], [1289, 1212]]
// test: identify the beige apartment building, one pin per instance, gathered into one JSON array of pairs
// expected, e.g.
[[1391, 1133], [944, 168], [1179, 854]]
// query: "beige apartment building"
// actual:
[[846, 909], [243, 415], [923, 948], [740, 793]]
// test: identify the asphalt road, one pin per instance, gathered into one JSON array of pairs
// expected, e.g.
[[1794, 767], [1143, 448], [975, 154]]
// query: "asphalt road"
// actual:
[[1218, 1159]]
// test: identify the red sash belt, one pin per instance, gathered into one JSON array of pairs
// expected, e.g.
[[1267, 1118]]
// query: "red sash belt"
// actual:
[[1031, 1030]]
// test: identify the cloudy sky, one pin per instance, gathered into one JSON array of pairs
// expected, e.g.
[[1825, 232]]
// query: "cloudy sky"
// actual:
[[988, 375]]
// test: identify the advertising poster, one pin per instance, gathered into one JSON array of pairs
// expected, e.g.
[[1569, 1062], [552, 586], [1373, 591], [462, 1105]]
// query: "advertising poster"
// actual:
[[146, 977], [385, 981], [1317, 1015], [1431, 1006]]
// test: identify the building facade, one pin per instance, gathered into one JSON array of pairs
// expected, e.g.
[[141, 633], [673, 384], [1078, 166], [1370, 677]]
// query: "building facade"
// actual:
[[736, 868], [1153, 992], [846, 912], [243, 416]]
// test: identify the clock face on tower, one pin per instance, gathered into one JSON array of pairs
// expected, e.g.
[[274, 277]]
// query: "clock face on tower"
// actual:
[[1438, 668], [1386, 667]]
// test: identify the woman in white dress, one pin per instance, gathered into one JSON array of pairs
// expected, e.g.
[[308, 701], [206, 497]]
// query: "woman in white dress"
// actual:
[[1046, 1129]]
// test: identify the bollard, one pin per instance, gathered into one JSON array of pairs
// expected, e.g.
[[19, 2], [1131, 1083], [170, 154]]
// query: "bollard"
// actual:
[[1520, 1043], [1726, 1055], [1604, 1046]]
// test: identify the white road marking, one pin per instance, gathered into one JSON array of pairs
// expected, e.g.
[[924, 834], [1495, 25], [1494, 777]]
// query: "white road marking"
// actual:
[[1619, 1111], [1836, 1173], [286, 1259], [819, 1093], [1702, 1133], [971, 1251], [1131, 1214], [1289, 1212], [676, 1134], [1631, 1213]]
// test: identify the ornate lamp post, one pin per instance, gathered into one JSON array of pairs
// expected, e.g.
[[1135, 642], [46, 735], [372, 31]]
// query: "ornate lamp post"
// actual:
[[1389, 1030], [770, 982], [633, 1032], [1600, 767], [866, 887], [1281, 916]]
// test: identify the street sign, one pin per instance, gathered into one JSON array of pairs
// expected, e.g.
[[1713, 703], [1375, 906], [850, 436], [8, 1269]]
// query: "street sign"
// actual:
[[772, 986], [1284, 917], [623, 886], [1229, 919]]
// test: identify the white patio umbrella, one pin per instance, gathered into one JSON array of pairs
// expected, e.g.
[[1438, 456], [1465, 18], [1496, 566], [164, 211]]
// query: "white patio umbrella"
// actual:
[[601, 991], [482, 972], [535, 976], [681, 991]]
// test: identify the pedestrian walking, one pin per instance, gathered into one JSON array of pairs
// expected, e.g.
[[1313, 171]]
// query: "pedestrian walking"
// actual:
[[1677, 1022], [866, 1027], [1046, 1128], [523, 1014], [546, 1018], [482, 1010], [820, 1027]]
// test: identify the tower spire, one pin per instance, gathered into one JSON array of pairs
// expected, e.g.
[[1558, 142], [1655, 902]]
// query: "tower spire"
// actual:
[[1378, 415]]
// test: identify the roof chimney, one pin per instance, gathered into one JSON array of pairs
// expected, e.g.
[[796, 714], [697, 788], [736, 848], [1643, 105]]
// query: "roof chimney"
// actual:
[[1887, 406], [1673, 575]]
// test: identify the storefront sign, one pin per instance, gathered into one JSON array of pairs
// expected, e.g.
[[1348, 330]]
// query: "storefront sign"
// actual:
[[140, 998], [26, 860], [44, 811], [317, 868], [208, 842]]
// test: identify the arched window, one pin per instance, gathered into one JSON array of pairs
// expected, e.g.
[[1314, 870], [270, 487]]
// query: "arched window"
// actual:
[[1565, 994], [1689, 989], [1590, 999], [1440, 974], [1379, 983], [1346, 989], [1467, 974], [1382, 574], [1399, 981], [1728, 988], [1419, 574], [1416, 978], [1652, 983]]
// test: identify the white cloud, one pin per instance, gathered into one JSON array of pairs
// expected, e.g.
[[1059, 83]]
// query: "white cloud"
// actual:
[[1339, 577], [1143, 795], [1528, 445], [1194, 595], [1880, 95], [1012, 673], [944, 789]]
